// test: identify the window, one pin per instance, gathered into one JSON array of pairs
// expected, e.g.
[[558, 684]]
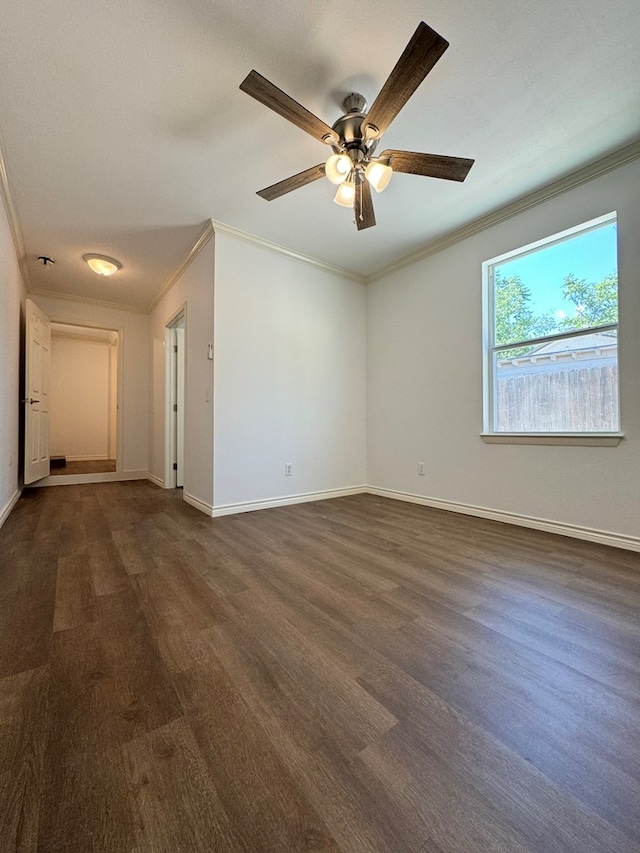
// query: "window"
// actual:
[[551, 336]]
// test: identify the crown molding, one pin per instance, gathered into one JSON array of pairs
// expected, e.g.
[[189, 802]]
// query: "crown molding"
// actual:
[[211, 227], [68, 336], [205, 235], [556, 188], [237, 234], [85, 300], [11, 209]]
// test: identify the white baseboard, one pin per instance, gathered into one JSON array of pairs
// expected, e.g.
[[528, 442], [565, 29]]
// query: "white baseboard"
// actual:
[[13, 500], [230, 509], [103, 458], [207, 509], [79, 479], [603, 537]]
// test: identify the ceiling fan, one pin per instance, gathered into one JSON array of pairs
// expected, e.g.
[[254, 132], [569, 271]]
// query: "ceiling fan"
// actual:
[[354, 137]]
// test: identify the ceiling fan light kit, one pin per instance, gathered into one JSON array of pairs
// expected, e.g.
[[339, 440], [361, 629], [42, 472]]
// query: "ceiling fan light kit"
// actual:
[[378, 173], [353, 167], [338, 168], [346, 194]]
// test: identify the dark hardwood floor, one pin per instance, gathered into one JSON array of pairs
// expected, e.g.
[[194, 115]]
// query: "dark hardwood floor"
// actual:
[[348, 675], [90, 466]]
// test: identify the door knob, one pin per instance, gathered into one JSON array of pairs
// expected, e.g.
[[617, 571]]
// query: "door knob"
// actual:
[[30, 400]]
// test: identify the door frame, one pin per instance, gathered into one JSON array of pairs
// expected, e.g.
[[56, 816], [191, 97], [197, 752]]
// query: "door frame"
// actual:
[[119, 374], [178, 319]]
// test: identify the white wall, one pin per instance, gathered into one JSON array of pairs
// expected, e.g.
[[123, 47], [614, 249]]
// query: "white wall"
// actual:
[[12, 296], [134, 370], [425, 379], [79, 413], [194, 292], [290, 361]]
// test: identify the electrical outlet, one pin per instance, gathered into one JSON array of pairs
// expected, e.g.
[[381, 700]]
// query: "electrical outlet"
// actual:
[[421, 469], [288, 469]]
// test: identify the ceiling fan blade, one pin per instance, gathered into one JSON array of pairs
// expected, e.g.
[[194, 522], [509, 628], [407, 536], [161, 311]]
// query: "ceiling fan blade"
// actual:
[[262, 90], [429, 165], [292, 183], [365, 217], [419, 56]]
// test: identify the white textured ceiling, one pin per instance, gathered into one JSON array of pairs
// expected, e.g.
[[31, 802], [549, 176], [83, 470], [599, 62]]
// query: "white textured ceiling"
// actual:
[[124, 129]]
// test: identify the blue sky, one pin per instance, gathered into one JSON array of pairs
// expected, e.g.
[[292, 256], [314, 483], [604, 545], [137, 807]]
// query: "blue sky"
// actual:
[[591, 256]]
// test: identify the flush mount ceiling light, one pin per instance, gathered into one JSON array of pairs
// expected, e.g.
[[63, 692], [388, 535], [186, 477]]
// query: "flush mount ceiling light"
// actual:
[[102, 264], [354, 137]]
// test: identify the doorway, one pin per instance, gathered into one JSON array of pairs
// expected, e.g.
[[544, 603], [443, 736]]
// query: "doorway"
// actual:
[[83, 400], [175, 402]]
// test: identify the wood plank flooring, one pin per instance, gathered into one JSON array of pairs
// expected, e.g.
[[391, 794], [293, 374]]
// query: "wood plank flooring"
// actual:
[[89, 466], [354, 675]]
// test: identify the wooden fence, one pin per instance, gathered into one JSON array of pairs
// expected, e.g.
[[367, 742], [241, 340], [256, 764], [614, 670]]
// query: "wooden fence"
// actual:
[[580, 398]]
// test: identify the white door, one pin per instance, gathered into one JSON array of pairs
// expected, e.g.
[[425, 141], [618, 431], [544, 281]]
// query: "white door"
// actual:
[[36, 419]]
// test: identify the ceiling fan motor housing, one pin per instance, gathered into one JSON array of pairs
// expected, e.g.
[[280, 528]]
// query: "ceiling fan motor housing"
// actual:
[[349, 128]]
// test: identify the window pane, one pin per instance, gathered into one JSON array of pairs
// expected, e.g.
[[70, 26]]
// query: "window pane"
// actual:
[[564, 286], [566, 385]]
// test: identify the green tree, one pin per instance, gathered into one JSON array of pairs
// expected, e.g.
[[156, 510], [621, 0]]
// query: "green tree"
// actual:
[[515, 319], [596, 302]]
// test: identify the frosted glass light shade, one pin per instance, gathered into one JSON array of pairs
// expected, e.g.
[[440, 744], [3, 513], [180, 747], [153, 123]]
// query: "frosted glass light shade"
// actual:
[[346, 194], [337, 168], [102, 264], [378, 174]]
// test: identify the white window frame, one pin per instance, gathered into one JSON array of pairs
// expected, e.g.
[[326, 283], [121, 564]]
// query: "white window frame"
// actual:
[[489, 434]]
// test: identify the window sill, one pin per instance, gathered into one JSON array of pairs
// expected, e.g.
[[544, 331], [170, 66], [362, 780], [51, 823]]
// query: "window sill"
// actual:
[[610, 439]]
